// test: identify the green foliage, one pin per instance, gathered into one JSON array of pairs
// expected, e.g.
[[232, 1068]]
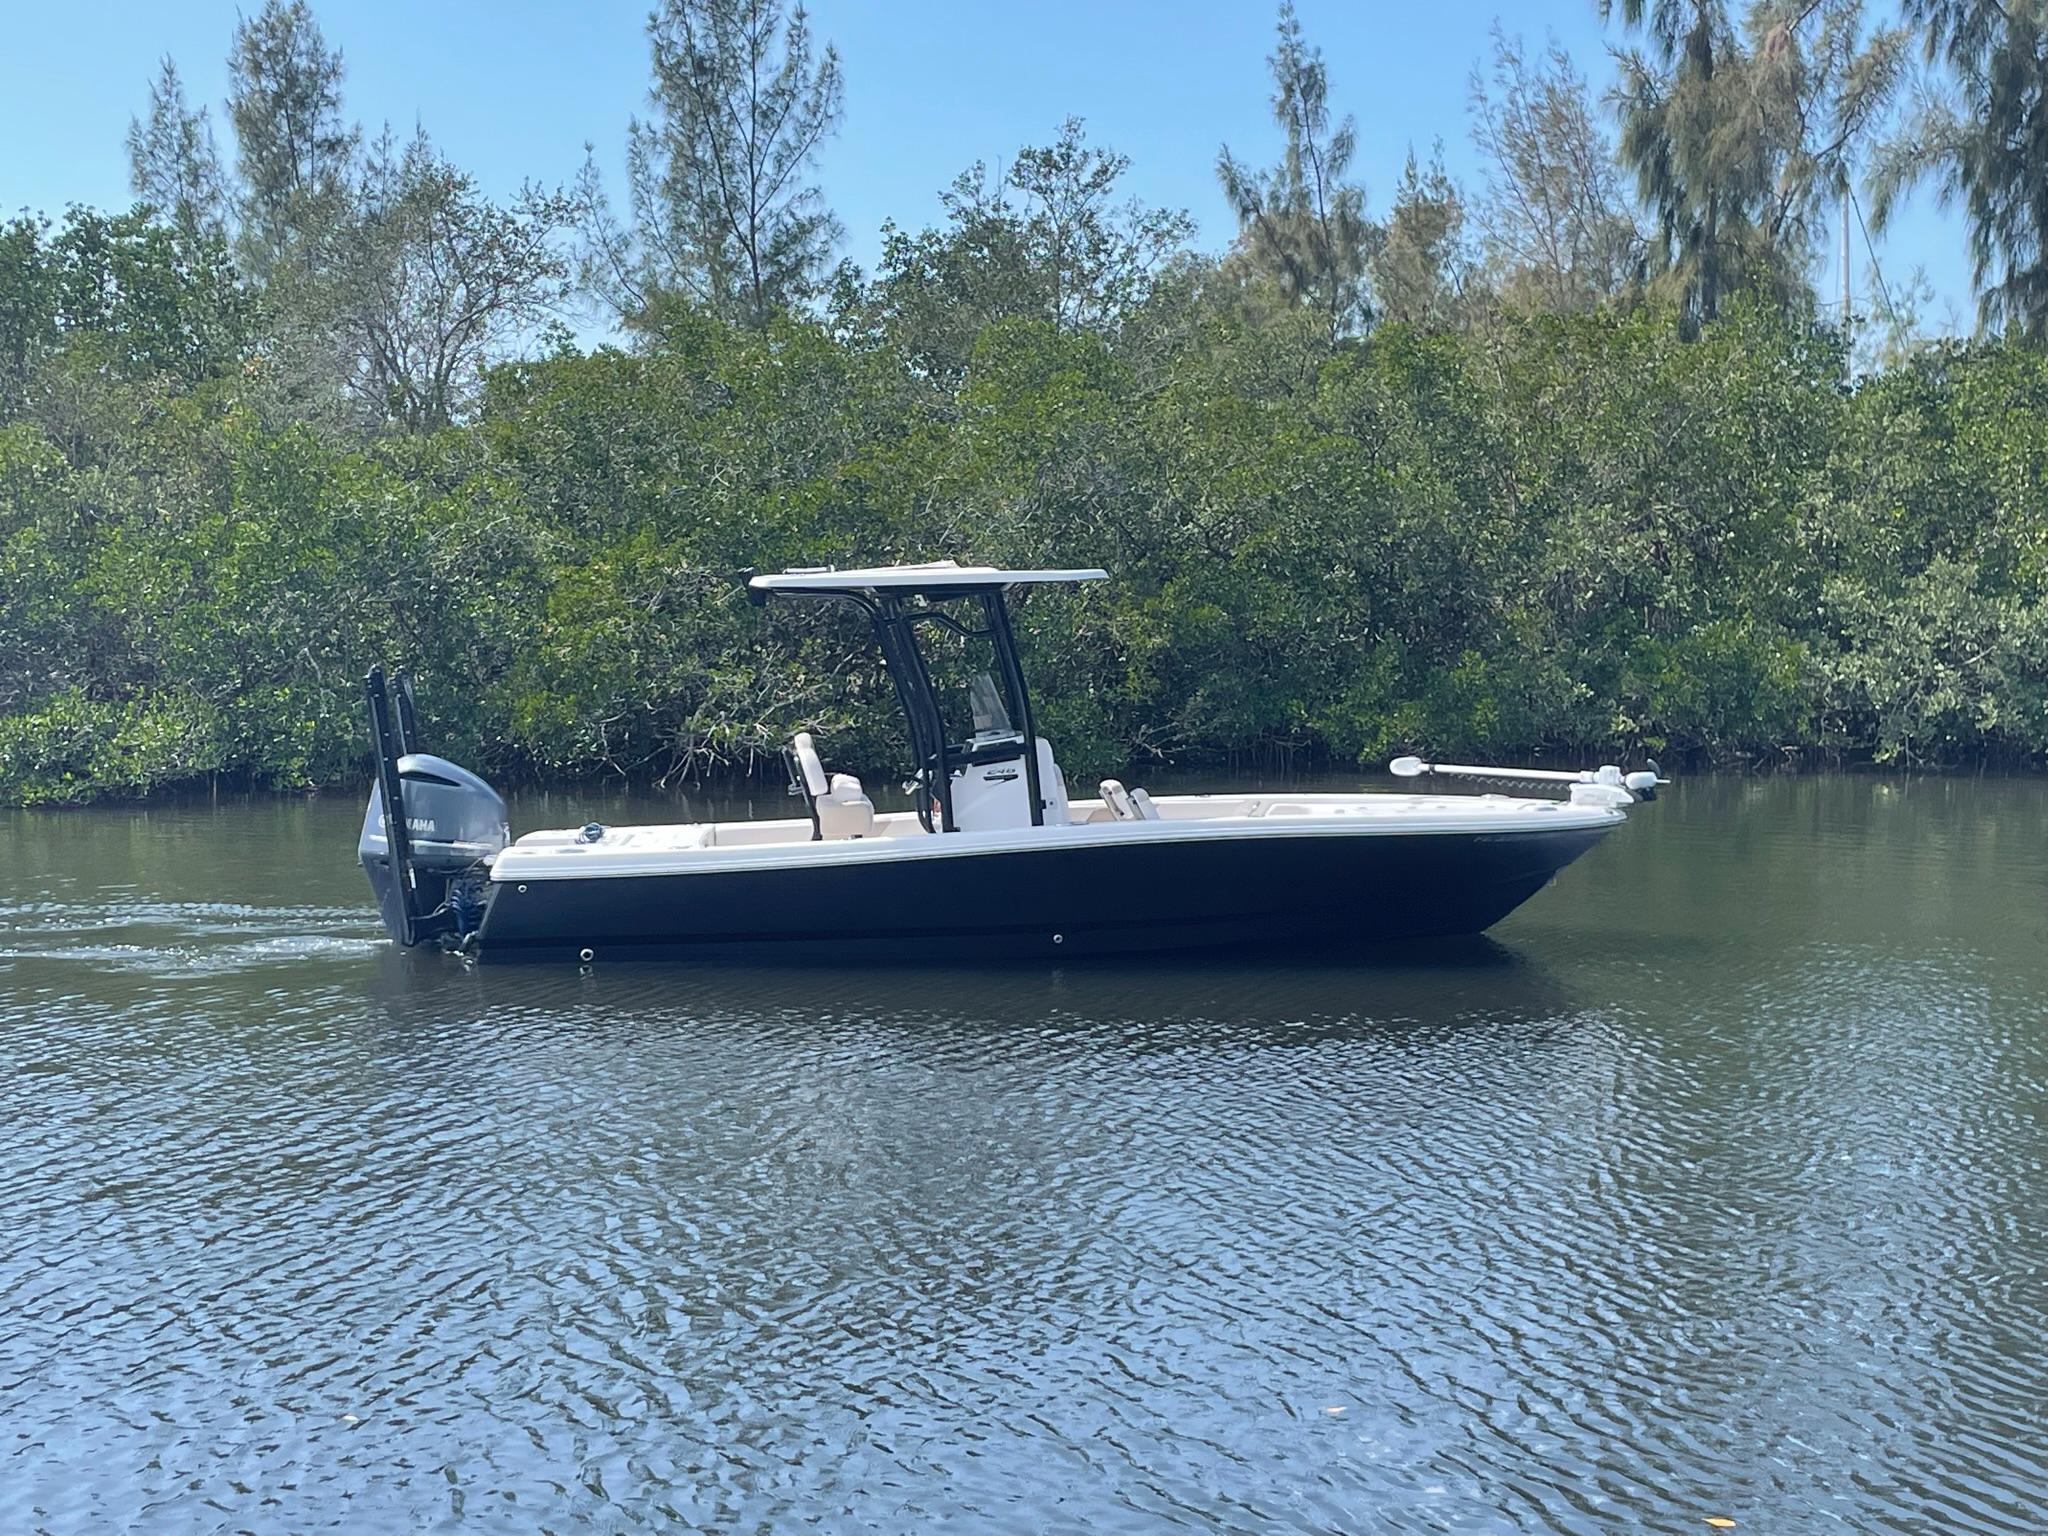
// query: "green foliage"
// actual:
[[724, 214], [1563, 534], [1302, 226], [71, 749], [145, 300], [1050, 239], [1363, 487], [1742, 135], [1987, 145]]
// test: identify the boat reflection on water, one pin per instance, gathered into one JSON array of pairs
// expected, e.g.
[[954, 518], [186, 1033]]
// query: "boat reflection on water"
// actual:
[[1462, 983]]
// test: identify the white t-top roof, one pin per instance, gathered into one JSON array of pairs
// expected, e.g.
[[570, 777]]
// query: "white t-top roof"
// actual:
[[937, 575]]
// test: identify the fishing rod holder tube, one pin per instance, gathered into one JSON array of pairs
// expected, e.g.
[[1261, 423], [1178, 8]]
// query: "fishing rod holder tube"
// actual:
[[427, 859]]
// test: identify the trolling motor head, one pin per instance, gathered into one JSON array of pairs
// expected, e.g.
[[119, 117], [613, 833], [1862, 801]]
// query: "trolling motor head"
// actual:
[[428, 830]]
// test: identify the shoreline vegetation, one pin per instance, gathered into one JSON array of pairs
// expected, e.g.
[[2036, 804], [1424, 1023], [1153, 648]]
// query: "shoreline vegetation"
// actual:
[[1574, 468], [768, 780]]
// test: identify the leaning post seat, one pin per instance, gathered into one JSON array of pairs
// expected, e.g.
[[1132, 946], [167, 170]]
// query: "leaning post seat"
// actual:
[[844, 810], [839, 807]]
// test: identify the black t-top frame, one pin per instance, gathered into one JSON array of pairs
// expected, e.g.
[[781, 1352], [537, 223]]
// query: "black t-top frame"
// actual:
[[895, 612]]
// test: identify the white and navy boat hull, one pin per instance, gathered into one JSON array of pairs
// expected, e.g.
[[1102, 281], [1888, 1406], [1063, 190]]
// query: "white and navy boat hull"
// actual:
[[1294, 882], [992, 861]]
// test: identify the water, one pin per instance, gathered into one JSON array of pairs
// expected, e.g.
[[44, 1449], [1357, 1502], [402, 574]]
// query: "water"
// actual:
[[1712, 1185]]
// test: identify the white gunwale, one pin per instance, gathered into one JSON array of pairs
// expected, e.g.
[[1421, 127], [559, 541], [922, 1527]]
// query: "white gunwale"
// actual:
[[717, 847]]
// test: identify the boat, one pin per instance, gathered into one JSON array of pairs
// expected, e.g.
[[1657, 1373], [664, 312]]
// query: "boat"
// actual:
[[993, 858]]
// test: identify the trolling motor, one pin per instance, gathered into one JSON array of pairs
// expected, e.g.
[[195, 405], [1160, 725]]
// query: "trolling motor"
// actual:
[[1587, 784], [430, 830]]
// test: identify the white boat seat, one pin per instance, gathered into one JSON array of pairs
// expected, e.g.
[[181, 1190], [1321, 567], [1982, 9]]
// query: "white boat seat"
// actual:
[[844, 810], [839, 807], [1142, 806], [1118, 799], [808, 764]]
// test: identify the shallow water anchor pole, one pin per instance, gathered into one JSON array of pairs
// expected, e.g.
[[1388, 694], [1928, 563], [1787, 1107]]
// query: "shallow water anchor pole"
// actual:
[[1643, 784], [408, 716], [391, 791]]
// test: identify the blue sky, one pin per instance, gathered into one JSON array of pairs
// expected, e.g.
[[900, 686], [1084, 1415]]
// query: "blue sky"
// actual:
[[515, 88]]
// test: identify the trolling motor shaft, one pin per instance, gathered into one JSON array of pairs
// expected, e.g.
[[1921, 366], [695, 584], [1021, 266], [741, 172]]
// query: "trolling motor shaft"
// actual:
[[1640, 785]]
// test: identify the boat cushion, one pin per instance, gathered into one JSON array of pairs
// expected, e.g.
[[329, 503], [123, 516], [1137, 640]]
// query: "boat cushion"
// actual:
[[1118, 799], [844, 810], [809, 764], [1142, 806]]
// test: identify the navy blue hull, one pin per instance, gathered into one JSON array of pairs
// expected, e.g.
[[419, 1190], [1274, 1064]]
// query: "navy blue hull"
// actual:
[[1051, 903]]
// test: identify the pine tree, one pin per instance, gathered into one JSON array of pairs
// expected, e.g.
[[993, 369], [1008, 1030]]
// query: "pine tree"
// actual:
[[1988, 145], [1419, 269], [724, 213], [173, 164], [1558, 232], [295, 151], [1301, 222], [1740, 139]]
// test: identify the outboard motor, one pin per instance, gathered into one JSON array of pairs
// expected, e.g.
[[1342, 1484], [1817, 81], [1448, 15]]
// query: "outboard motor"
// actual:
[[427, 864]]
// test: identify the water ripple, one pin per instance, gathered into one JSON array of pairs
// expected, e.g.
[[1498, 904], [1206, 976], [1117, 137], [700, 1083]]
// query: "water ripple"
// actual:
[[1621, 1221]]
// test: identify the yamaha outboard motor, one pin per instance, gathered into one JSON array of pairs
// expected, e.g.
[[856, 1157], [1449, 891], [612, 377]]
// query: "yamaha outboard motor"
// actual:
[[428, 863]]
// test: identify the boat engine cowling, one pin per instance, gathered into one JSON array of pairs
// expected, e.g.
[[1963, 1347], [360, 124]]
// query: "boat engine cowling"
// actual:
[[454, 822]]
